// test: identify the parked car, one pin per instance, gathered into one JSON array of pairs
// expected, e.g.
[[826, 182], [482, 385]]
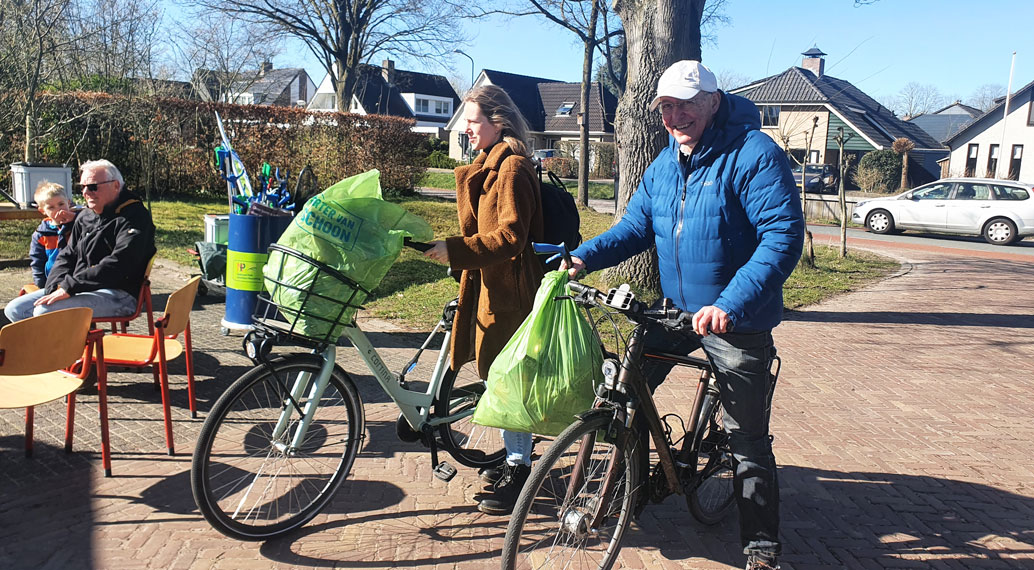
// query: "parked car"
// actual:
[[541, 153], [1000, 210], [821, 178]]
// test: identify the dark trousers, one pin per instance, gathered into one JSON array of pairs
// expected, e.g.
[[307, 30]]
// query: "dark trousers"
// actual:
[[742, 364]]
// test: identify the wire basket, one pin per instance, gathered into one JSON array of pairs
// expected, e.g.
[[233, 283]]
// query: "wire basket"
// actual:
[[308, 300]]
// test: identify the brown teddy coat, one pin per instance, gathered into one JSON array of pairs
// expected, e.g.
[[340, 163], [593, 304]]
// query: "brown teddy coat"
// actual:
[[499, 208]]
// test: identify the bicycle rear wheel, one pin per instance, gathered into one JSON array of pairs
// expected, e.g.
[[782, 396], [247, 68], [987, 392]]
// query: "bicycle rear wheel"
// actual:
[[715, 497], [250, 485], [578, 501], [471, 444]]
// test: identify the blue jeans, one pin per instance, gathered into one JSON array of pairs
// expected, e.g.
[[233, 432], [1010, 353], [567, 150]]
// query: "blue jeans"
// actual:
[[518, 447], [104, 302], [742, 364]]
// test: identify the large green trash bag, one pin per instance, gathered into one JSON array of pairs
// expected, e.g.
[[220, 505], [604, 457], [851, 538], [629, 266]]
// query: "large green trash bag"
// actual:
[[547, 372], [350, 228]]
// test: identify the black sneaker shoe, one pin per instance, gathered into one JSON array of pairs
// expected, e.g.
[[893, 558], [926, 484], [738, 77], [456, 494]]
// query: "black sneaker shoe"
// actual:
[[506, 491], [762, 562]]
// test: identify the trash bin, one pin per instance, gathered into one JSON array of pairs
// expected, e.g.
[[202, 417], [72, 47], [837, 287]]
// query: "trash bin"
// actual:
[[249, 238], [25, 177]]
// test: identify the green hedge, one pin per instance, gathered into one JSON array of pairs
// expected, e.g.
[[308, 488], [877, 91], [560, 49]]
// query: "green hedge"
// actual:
[[166, 145]]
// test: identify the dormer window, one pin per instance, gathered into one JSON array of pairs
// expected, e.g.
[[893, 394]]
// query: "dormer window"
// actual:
[[564, 110]]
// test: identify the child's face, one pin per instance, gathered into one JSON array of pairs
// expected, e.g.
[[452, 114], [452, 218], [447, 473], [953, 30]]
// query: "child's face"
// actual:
[[57, 209]]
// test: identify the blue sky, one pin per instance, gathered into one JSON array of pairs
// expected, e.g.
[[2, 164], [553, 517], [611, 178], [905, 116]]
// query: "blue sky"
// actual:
[[955, 45]]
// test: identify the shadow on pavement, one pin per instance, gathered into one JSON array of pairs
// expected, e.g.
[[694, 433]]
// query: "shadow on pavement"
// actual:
[[942, 319]]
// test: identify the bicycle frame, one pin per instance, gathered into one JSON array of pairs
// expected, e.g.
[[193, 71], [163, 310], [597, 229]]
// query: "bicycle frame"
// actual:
[[415, 406]]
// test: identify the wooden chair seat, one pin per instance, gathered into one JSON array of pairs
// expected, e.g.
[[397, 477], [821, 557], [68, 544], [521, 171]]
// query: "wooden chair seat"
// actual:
[[35, 389], [155, 350], [135, 350], [37, 358]]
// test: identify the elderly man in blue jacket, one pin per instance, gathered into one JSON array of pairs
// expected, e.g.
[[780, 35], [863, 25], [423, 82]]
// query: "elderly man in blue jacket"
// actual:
[[720, 204]]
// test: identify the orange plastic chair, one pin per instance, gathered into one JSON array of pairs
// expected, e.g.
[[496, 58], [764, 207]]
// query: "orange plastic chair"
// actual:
[[143, 300], [38, 366], [156, 349]]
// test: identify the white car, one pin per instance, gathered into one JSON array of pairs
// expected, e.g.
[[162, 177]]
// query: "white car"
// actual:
[[1000, 210]]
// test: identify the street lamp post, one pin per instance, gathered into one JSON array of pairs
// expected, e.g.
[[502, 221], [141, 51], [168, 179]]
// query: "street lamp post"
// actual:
[[463, 53]]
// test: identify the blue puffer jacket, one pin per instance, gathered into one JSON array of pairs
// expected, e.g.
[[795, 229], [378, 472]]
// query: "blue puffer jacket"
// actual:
[[729, 228]]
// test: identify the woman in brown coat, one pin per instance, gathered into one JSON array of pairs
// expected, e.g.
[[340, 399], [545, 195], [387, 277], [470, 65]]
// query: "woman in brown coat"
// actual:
[[500, 210]]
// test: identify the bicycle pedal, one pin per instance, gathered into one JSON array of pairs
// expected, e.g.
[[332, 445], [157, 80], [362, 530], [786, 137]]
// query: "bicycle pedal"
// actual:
[[444, 471]]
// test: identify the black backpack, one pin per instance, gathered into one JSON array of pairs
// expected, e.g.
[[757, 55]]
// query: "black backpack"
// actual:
[[560, 220]]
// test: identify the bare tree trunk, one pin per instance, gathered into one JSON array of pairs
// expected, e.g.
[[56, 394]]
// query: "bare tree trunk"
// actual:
[[904, 171], [842, 194], [657, 34], [583, 107], [808, 259]]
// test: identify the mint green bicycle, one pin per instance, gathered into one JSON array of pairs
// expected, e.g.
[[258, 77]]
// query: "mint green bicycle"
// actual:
[[281, 440]]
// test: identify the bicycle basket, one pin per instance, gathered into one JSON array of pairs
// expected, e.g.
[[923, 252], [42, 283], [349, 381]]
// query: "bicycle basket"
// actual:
[[307, 299]]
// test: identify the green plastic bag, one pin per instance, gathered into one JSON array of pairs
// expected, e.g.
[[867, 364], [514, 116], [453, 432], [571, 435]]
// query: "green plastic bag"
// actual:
[[350, 228], [547, 372]]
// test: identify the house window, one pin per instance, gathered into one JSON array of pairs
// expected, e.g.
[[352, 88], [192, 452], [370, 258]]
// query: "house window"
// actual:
[[971, 160], [769, 115], [442, 107], [423, 106], [992, 161], [564, 110], [1014, 162], [1030, 111]]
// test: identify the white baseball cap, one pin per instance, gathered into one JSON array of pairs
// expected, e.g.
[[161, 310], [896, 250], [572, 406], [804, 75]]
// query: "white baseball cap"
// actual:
[[683, 80]]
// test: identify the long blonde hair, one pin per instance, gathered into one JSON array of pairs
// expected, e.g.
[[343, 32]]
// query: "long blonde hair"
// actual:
[[502, 113]]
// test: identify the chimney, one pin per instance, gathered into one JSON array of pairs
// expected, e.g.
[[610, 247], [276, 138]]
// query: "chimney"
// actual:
[[267, 66], [813, 61], [388, 71]]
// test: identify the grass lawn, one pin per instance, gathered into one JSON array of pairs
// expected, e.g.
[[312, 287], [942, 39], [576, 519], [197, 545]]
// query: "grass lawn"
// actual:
[[416, 288]]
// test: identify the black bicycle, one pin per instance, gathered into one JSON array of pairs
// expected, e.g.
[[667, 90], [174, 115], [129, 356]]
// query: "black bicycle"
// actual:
[[596, 476]]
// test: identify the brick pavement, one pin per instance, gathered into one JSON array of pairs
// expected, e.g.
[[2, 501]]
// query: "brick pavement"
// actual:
[[902, 425]]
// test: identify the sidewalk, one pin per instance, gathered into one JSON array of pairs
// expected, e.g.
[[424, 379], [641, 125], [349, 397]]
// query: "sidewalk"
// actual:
[[902, 428]]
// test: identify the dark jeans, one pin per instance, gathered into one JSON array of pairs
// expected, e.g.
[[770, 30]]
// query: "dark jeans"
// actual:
[[742, 362]]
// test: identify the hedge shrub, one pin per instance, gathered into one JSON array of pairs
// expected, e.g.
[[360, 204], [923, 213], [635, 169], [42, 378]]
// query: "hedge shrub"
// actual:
[[166, 145], [561, 166], [879, 171]]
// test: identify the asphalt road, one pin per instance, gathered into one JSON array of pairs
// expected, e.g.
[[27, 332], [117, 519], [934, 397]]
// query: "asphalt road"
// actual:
[[1023, 248]]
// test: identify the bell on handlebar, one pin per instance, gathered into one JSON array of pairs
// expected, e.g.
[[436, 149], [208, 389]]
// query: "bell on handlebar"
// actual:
[[620, 298]]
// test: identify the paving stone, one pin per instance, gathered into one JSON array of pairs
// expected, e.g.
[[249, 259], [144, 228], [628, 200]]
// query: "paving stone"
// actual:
[[901, 422]]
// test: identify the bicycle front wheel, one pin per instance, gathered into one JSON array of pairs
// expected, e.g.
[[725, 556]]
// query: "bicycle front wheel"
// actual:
[[251, 482], [715, 496], [577, 502], [471, 444]]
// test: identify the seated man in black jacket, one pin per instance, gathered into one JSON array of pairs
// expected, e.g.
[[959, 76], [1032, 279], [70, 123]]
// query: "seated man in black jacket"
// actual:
[[104, 262]]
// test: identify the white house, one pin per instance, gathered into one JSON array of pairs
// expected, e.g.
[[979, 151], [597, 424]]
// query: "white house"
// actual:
[[429, 99], [993, 145], [551, 108]]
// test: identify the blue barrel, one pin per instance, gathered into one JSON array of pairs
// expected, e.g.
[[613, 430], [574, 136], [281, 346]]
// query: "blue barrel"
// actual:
[[249, 238]]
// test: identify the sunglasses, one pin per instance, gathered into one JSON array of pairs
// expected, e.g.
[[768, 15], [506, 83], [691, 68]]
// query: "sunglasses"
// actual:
[[688, 105], [84, 188]]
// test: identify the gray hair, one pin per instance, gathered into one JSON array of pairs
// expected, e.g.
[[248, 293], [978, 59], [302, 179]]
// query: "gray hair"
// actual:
[[110, 169]]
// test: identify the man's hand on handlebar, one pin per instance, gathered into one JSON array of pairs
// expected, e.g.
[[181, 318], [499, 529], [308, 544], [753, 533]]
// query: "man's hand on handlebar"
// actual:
[[577, 265], [710, 319]]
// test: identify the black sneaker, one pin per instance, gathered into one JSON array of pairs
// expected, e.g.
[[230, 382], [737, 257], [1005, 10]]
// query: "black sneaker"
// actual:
[[762, 562], [505, 492]]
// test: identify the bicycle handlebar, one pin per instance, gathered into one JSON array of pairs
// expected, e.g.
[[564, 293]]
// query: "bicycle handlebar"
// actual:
[[622, 300]]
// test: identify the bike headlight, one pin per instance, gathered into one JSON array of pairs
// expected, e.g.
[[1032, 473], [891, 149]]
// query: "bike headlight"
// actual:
[[610, 373]]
